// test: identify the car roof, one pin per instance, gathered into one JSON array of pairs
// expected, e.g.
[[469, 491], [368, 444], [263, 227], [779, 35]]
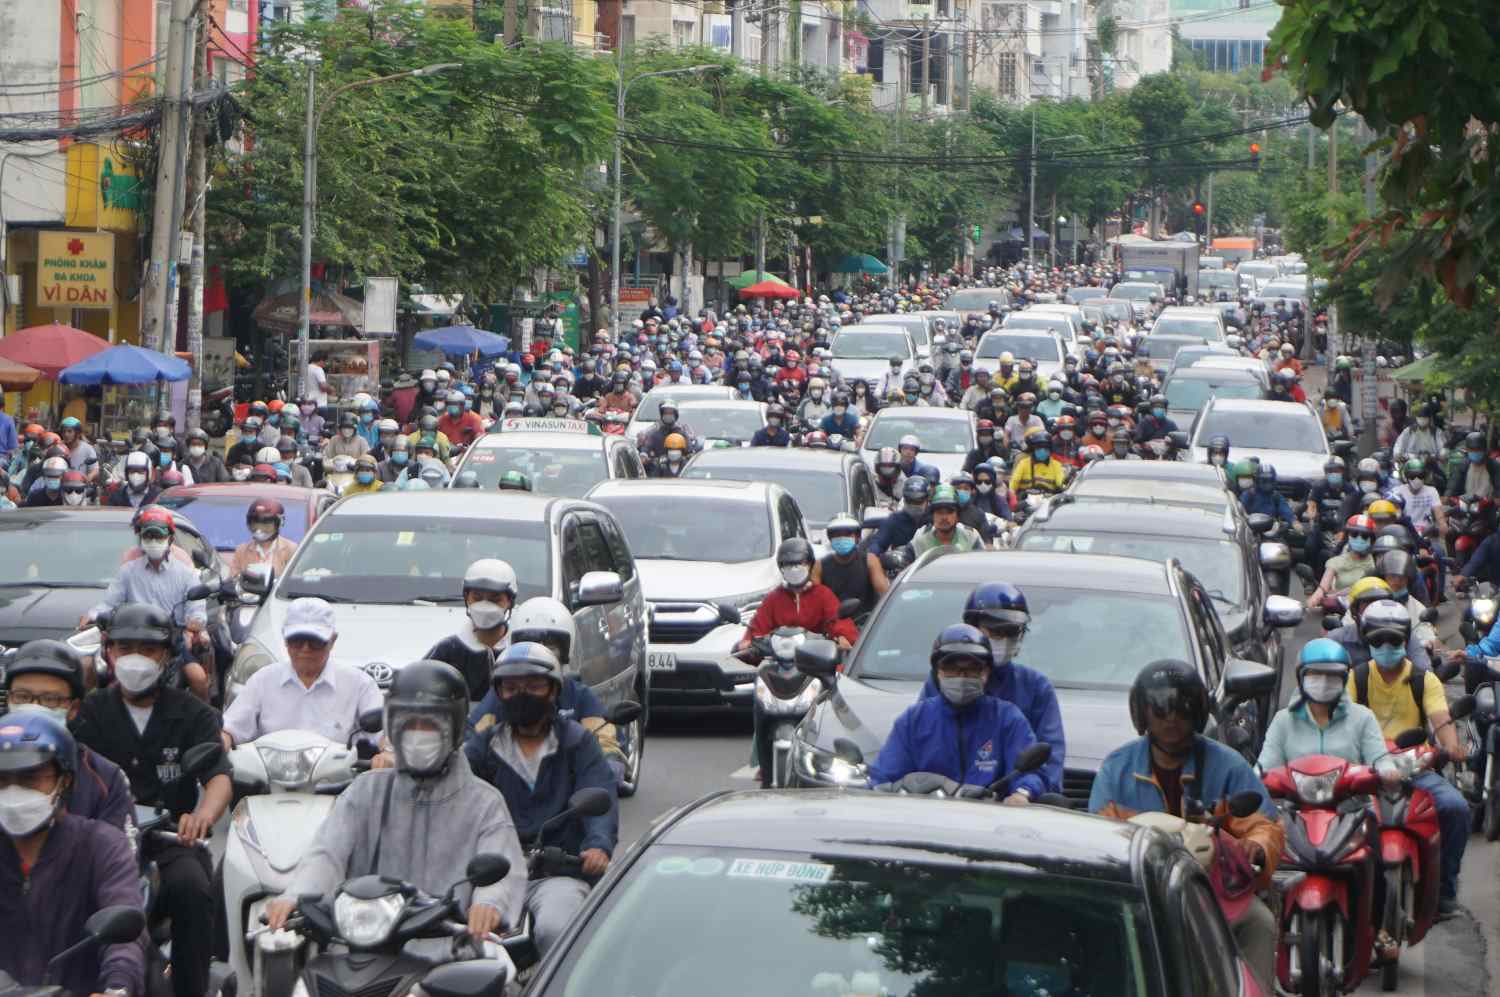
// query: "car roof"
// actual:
[[1200, 372], [891, 318], [1133, 518], [1259, 405], [859, 823], [1155, 470], [1045, 569], [448, 503], [801, 457], [541, 440], [248, 490], [88, 514], [927, 412], [756, 492]]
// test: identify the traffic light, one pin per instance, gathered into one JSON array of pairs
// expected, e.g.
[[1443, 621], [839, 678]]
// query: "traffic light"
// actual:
[[1255, 155], [1198, 208]]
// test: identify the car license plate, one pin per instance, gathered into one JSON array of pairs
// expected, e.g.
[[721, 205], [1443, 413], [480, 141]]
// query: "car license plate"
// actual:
[[661, 661]]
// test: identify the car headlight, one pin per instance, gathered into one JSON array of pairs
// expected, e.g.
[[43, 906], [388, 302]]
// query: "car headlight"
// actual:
[[366, 923], [824, 766], [290, 767], [1316, 790]]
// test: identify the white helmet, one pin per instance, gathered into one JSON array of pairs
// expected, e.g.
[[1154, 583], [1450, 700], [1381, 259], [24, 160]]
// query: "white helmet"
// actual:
[[490, 574], [428, 375], [267, 455], [542, 618]]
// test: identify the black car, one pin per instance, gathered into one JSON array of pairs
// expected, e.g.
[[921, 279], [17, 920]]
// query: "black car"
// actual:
[[1096, 620], [58, 562], [1220, 551], [765, 894], [1157, 482]]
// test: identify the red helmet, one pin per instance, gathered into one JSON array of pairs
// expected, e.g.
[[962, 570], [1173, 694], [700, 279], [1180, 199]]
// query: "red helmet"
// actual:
[[984, 426], [275, 404], [265, 508], [154, 515], [792, 356], [1065, 422], [1360, 525], [171, 478], [263, 473]]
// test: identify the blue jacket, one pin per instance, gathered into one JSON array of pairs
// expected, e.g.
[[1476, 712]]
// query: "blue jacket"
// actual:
[[847, 428], [896, 531], [927, 471], [764, 438], [1152, 428], [1488, 646], [577, 764], [8, 438], [1030, 692], [974, 746], [1272, 503], [1125, 778], [575, 702], [1484, 563]]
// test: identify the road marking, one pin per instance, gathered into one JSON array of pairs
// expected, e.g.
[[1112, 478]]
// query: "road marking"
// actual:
[[745, 773]]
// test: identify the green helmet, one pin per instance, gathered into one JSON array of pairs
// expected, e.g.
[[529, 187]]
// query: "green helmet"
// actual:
[[1242, 469], [515, 481], [1343, 363], [1414, 466], [944, 496]]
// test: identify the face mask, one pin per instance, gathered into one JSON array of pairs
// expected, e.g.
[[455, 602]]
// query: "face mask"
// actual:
[[487, 615], [155, 549], [240, 474], [839, 411], [1003, 650], [1400, 595], [262, 534], [196, 453], [525, 709], [961, 692], [365, 477], [1246, 483], [774, 422], [817, 394], [1322, 688], [745, 387], [796, 575], [1368, 486], [1114, 423], [1217, 460], [1335, 480], [73, 498], [423, 750], [1054, 395], [368, 417], [455, 410], [669, 419], [165, 460], [1388, 657], [23, 812], [983, 487], [1042, 455], [1159, 413], [1415, 484], [1423, 422], [1474, 456], [1359, 545], [52, 484], [60, 714], [136, 673], [347, 432], [914, 509], [399, 458], [842, 546], [1066, 434]]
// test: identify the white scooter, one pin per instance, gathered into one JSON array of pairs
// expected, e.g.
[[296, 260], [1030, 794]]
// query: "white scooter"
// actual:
[[294, 776]]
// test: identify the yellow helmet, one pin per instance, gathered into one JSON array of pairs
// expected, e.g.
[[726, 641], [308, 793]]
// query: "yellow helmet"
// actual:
[[1367, 590], [1007, 357], [1382, 509], [676, 441]]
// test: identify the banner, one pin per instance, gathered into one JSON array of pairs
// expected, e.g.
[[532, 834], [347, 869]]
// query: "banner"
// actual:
[[75, 269]]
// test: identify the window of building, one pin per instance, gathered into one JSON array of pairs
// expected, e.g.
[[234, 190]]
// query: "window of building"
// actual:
[[1007, 81], [682, 34]]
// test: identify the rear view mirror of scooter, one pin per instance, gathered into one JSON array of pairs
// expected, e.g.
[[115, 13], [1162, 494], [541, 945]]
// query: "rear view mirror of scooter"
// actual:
[[590, 802], [108, 926], [466, 979], [1244, 804], [201, 759], [1029, 760], [487, 869]]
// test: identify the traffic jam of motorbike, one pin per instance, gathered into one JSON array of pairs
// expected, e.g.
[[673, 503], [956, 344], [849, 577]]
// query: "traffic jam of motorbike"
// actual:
[[1080, 647]]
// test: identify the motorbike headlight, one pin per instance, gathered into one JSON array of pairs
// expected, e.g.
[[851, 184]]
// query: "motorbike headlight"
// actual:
[[290, 767], [1316, 790], [366, 923], [824, 766]]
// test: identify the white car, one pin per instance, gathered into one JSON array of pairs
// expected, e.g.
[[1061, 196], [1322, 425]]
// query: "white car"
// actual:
[[1287, 435], [1206, 324], [648, 411], [558, 456], [1141, 294], [863, 352], [946, 434], [1042, 347], [915, 325]]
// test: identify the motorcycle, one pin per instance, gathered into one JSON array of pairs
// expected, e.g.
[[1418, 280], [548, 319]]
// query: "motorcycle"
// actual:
[[1327, 876], [1483, 786], [107, 926], [935, 784], [1470, 520], [1277, 541], [89, 643]]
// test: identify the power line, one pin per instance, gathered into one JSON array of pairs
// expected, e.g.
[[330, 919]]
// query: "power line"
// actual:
[[39, 89]]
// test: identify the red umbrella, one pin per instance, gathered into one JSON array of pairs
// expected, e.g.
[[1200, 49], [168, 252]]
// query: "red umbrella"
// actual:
[[770, 289], [50, 348]]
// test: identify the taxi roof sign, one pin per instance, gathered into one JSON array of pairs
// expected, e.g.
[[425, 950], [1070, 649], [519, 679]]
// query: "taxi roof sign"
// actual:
[[577, 427]]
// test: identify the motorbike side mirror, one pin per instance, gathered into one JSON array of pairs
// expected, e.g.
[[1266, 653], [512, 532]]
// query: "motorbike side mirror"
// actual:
[[201, 559], [1248, 679], [1178, 440], [819, 658], [1260, 522], [1461, 707], [1244, 804], [1447, 671], [729, 614], [847, 751], [197, 592], [201, 759], [115, 925], [257, 579], [1429, 615], [372, 721], [470, 978], [1331, 622], [623, 712], [1411, 738], [1237, 737], [590, 802], [849, 608], [1055, 800], [1282, 611], [487, 869], [1034, 757]]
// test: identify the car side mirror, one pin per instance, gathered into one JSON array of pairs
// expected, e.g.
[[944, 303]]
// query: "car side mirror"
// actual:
[[487, 869], [624, 712], [469, 978], [819, 658], [591, 802], [1244, 804], [1282, 611], [1248, 679], [1178, 440], [598, 588], [257, 579], [848, 751], [203, 758]]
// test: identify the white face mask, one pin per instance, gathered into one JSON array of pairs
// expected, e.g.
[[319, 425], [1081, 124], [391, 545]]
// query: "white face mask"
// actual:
[[983, 487], [422, 750], [136, 673], [240, 474], [23, 812], [1246, 484], [487, 615], [155, 549], [196, 452], [137, 479], [796, 575], [60, 714], [1217, 460], [1368, 486], [1322, 688], [73, 498], [262, 535]]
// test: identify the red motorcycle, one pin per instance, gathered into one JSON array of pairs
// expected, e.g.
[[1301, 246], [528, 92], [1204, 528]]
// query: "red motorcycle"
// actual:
[[1327, 874], [1470, 520], [1409, 854]]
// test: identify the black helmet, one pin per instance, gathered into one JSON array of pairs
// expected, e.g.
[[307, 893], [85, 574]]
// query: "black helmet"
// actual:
[[48, 657], [1396, 562], [1167, 685], [430, 690], [794, 550], [347, 419], [1474, 441], [139, 621], [1218, 443], [428, 423], [197, 436], [1265, 474], [916, 489]]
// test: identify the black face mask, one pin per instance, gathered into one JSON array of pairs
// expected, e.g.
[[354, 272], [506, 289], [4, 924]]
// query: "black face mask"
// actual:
[[525, 709]]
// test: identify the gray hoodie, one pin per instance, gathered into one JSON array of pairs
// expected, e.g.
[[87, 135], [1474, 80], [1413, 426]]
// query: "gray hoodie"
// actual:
[[432, 829]]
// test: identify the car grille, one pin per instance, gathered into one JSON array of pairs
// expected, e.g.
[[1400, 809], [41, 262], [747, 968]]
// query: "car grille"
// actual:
[[1077, 785], [682, 622]]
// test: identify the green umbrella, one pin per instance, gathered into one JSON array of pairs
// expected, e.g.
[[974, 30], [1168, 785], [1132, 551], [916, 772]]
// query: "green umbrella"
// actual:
[[1420, 370], [860, 263], [749, 277]]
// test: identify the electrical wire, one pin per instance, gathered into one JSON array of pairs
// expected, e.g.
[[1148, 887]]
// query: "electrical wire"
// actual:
[[44, 89]]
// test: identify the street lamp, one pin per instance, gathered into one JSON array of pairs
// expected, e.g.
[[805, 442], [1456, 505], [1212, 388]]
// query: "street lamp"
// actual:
[[310, 189], [614, 253], [1031, 188]]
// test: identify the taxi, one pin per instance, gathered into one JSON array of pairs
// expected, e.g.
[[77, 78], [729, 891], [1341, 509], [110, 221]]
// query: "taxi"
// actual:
[[563, 457]]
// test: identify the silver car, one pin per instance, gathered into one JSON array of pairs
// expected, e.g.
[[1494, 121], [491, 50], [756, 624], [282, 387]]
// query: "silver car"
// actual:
[[1287, 435], [863, 352]]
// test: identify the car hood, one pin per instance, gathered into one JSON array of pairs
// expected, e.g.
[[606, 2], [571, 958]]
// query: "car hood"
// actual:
[[1298, 464], [1095, 721], [33, 612], [704, 581], [368, 632]]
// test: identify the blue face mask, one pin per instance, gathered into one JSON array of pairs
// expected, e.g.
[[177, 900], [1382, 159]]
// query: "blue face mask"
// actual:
[[367, 418], [1335, 480], [273, 419], [165, 459], [1475, 456], [1042, 454], [399, 458], [365, 477], [745, 387], [842, 546], [1160, 413], [963, 497], [455, 410], [1360, 545], [1387, 657]]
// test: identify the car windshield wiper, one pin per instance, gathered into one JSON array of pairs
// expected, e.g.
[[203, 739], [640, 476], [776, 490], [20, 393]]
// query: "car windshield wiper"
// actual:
[[439, 600]]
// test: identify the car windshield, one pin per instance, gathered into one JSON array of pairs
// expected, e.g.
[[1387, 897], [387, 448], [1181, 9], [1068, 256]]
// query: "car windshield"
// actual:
[[1215, 279], [977, 299], [1040, 348], [1125, 632], [1267, 428], [1162, 492], [1198, 328], [840, 925], [1159, 347], [1078, 295], [819, 494], [1261, 270], [397, 560], [1133, 292], [935, 435], [221, 518], [78, 555], [698, 529], [563, 471], [1118, 310], [738, 422], [650, 407], [1041, 320], [915, 325], [855, 345], [1192, 392], [1215, 563]]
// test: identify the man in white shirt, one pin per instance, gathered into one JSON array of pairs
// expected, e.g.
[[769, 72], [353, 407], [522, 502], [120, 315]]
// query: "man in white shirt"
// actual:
[[307, 691], [315, 385]]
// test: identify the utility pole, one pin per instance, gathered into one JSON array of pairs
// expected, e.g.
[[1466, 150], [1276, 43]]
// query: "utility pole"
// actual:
[[1031, 196], [512, 32], [1312, 137], [1208, 224], [926, 62], [309, 198], [194, 415], [970, 39], [155, 335], [765, 39], [1333, 157], [1372, 167]]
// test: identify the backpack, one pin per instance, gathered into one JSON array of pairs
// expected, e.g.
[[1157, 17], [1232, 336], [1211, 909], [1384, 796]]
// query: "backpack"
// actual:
[[1417, 680]]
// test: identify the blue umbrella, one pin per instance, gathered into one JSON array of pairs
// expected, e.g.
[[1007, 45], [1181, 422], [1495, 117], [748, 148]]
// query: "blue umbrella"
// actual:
[[126, 364], [461, 340]]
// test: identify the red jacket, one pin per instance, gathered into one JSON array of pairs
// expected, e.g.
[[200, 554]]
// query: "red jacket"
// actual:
[[461, 431], [815, 609]]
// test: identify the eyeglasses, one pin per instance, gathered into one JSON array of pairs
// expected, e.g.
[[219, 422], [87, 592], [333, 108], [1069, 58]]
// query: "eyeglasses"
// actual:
[[306, 643], [74, 491], [154, 533], [1386, 640], [51, 700]]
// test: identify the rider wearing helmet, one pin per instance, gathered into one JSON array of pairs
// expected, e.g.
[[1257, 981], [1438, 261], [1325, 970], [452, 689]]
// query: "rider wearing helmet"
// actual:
[[889, 480], [207, 468], [1322, 720], [1480, 476], [1346, 569], [987, 446], [458, 423], [1420, 439], [774, 433], [1364, 594], [1218, 450], [427, 427], [1020, 425], [538, 759], [421, 820], [909, 447], [1037, 469], [652, 443], [850, 570], [367, 476], [962, 732], [1264, 498], [81, 453], [1420, 502], [841, 419], [674, 457], [1155, 425], [799, 601], [943, 528], [264, 518], [1330, 502], [347, 442], [902, 523], [76, 866], [489, 594], [47, 490]]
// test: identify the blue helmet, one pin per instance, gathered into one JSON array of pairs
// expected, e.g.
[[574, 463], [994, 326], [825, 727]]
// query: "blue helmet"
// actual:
[[959, 640], [1265, 474], [916, 489], [30, 740], [1323, 655], [996, 602], [1218, 443]]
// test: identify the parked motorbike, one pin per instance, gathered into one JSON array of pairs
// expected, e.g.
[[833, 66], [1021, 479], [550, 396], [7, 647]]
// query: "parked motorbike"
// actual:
[[107, 926], [1326, 880]]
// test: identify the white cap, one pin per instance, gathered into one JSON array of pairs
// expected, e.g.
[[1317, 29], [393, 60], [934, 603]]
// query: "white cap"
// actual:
[[309, 617]]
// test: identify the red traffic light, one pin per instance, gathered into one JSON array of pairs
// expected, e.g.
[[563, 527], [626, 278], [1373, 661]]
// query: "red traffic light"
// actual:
[[1198, 208]]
